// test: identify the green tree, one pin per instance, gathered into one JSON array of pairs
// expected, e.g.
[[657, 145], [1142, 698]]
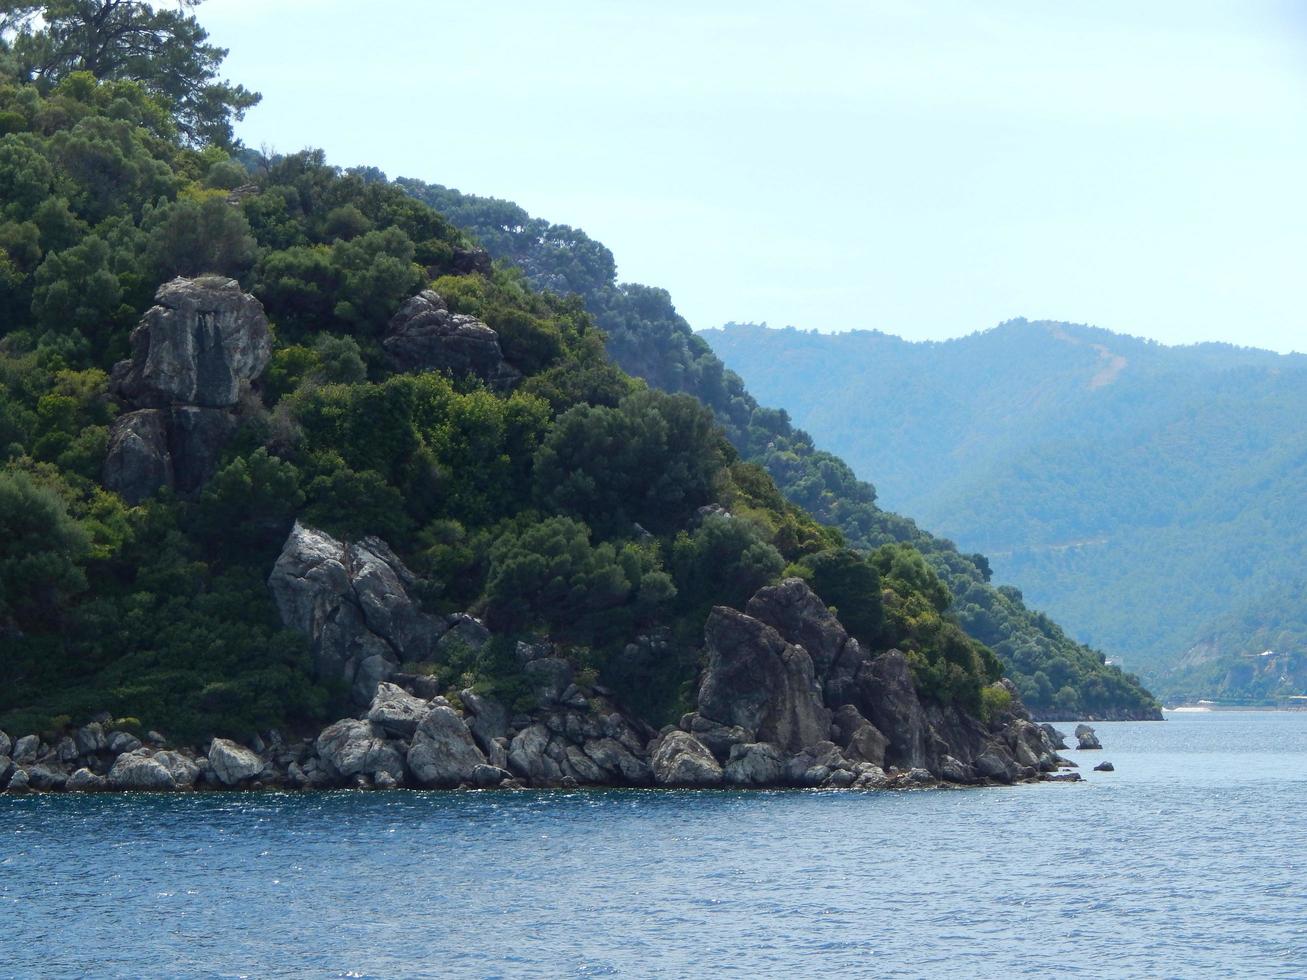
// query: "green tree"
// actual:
[[42, 551], [167, 51]]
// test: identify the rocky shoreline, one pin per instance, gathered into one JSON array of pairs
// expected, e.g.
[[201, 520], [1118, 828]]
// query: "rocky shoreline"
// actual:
[[788, 699]]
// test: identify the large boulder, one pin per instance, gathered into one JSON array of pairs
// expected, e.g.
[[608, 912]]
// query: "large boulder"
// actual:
[[396, 711], [443, 751], [352, 746], [528, 756], [200, 344], [755, 764], [232, 764], [425, 336], [757, 681], [682, 760], [618, 762], [138, 461], [26, 749], [138, 770], [353, 603]]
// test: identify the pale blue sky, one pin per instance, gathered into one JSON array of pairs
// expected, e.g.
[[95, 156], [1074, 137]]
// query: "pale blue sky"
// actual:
[[924, 168]]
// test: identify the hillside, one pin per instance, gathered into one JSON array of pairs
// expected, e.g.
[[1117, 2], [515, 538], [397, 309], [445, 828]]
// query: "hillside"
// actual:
[[278, 443], [646, 336], [1140, 493]]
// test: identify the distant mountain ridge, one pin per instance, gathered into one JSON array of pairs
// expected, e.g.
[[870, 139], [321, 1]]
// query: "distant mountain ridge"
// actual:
[[1139, 492]]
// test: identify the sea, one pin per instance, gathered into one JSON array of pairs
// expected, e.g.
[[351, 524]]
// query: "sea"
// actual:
[[1190, 860]]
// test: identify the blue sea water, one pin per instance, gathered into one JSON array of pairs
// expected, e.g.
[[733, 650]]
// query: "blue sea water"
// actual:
[[1189, 860]]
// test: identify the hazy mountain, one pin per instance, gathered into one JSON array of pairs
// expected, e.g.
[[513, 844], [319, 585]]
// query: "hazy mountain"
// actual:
[[1141, 493]]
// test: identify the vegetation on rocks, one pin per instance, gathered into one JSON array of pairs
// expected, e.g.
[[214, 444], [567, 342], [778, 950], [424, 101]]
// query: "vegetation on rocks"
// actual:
[[477, 447]]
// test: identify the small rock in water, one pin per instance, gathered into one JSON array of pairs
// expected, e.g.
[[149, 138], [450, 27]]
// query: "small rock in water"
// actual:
[[1086, 738], [1063, 777], [1105, 767]]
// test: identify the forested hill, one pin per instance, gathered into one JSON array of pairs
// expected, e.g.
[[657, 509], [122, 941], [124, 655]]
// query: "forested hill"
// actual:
[[1149, 497], [647, 337]]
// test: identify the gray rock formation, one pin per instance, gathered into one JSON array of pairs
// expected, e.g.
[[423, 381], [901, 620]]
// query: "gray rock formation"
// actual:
[[682, 760], [443, 751], [232, 764], [760, 683], [353, 603], [139, 771], [26, 750], [396, 711], [193, 354], [754, 764], [199, 345], [84, 781], [1086, 738], [1105, 767], [351, 747], [1055, 738], [425, 336]]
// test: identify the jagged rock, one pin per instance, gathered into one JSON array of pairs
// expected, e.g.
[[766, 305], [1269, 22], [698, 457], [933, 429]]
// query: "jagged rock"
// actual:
[[1055, 738], [618, 761], [955, 771], [353, 603], [719, 738], [396, 711], [995, 764], [66, 750], [352, 746], [6, 744], [26, 750], [814, 764], [919, 778], [1105, 767], [425, 336], [46, 778], [463, 633], [761, 683], [443, 752], [84, 781], [6, 770], [869, 776], [549, 678], [184, 771], [796, 613], [861, 740], [139, 771], [682, 760], [17, 782], [1086, 738], [888, 699], [487, 776], [138, 461], [467, 261], [488, 721], [527, 756], [754, 764], [199, 345], [231, 763], [90, 739], [120, 742], [583, 768]]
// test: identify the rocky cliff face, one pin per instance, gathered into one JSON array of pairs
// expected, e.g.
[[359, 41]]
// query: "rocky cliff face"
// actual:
[[353, 601], [193, 354]]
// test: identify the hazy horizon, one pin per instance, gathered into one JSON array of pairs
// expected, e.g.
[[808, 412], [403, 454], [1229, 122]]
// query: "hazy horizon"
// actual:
[[924, 171]]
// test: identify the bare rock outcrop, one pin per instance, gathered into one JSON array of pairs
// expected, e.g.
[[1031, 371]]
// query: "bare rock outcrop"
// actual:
[[193, 355], [353, 602], [425, 336]]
